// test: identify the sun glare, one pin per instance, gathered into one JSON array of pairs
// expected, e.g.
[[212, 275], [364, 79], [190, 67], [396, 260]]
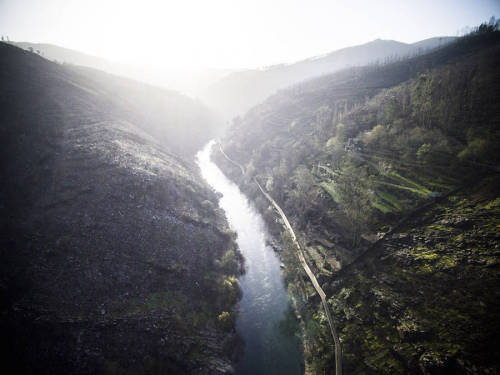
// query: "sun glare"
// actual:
[[227, 33]]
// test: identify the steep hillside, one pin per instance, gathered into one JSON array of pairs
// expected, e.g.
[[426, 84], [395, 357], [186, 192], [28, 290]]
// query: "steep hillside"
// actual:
[[65, 55], [425, 299], [348, 157], [235, 94], [190, 82], [155, 110], [113, 257]]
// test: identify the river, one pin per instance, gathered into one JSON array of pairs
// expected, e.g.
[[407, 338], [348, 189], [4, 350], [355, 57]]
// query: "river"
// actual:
[[265, 321]]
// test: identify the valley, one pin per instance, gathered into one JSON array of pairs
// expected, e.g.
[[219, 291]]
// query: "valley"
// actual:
[[335, 215]]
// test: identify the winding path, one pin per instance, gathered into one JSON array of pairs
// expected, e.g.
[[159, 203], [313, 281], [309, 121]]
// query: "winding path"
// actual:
[[314, 281]]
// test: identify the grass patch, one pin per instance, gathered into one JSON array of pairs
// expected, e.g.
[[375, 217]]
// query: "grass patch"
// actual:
[[446, 262], [439, 228], [425, 254], [330, 189], [381, 206], [493, 204], [386, 202], [401, 187], [409, 182]]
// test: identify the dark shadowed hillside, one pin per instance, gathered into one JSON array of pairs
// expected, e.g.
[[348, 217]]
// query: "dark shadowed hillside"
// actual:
[[239, 91], [390, 175], [114, 257]]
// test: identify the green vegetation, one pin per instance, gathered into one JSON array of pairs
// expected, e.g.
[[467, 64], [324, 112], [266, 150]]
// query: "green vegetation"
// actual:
[[407, 306], [361, 158], [369, 147], [226, 320]]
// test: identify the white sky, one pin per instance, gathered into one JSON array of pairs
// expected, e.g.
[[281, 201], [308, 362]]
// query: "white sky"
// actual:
[[231, 33]]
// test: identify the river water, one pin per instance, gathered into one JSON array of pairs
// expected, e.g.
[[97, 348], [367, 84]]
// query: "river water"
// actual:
[[265, 321]]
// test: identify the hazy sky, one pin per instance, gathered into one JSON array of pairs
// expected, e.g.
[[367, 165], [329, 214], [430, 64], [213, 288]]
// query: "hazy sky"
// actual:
[[231, 33]]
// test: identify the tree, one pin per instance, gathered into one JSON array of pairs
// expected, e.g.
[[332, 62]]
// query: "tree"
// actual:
[[303, 193], [423, 152], [353, 195], [324, 121]]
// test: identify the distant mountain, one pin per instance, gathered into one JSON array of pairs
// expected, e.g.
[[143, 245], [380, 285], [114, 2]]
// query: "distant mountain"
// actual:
[[239, 91], [189, 82], [232, 93]]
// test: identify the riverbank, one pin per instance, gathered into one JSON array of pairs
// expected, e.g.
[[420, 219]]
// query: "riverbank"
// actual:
[[264, 321]]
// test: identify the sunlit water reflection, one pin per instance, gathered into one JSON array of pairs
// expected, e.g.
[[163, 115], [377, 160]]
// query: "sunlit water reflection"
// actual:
[[264, 319]]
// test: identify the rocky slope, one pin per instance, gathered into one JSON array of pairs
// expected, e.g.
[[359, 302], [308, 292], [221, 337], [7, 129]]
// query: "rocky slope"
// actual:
[[348, 156], [114, 257], [425, 298]]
